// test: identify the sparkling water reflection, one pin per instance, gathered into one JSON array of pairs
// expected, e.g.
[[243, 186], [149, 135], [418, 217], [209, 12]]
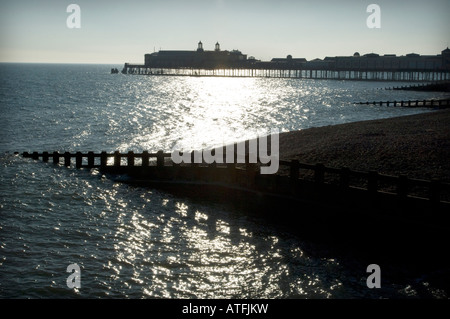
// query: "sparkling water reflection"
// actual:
[[137, 242]]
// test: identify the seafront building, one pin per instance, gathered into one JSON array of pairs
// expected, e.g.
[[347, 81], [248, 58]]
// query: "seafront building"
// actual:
[[371, 66]]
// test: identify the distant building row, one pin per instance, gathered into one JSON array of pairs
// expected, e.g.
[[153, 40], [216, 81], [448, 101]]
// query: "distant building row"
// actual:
[[201, 58], [373, 61]]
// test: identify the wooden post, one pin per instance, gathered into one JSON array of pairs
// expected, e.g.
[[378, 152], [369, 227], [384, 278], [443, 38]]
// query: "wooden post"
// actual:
[[344, 177], [145, 158], [213, 164], [387, 103], [103, 159], [395, 103], [35, 156], [116, 159], [227, 160], [67, 159], [78, 160], [435, 191], [372, 185], [55, 158], [319, 173], [160, 159], [90, 159], [193, 163], [251, 174], [231, 166], [130, 159], [45, 156], [402, 186], [294, 170]]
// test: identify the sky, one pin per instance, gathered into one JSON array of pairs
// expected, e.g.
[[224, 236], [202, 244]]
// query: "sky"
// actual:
[[115, 32]]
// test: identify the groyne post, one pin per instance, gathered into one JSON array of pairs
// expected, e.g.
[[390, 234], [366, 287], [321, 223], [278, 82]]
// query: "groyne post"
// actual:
[[160, 159], [319, 173], [145, 159], [402, 186], [78, 160], [55, 158], [294, 170], [435, 190], [344, 177], [130, 159], [67, 159], [372, 183], [116, 159], [103, 159], [90, 159]]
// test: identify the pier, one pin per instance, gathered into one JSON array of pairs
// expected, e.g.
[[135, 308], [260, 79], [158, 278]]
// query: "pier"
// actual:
[[267, 70], [219, 63]]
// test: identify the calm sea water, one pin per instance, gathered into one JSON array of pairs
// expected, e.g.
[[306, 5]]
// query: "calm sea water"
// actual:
[[133, 242]]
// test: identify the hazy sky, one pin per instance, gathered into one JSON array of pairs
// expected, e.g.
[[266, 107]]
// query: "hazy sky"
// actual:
[[123, 31]]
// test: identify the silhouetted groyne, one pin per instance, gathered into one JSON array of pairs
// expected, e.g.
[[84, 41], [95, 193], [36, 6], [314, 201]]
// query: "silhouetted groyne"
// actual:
[[394, 213], [440, 104], [305, 182], [431, 87]]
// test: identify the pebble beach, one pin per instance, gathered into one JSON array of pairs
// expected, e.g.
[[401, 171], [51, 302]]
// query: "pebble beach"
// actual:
[[417, 146]]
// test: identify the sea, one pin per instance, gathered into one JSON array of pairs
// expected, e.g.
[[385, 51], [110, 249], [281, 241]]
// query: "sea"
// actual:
[[134, 242]]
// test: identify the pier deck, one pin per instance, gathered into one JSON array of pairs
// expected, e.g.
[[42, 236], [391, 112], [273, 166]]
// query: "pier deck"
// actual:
[[279, 71]]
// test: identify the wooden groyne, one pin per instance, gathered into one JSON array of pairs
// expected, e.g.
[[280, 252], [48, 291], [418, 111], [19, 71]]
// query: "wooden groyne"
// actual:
[[430, 87], [440, 104], [392, 217], [301, 182]]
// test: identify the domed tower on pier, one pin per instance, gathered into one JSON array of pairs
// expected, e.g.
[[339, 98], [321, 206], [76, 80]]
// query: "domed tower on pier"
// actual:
[[200, 47], [217, 48]]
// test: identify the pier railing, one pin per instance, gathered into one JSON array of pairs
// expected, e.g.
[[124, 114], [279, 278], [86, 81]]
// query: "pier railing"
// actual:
[[293, 178], [282, 70]]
